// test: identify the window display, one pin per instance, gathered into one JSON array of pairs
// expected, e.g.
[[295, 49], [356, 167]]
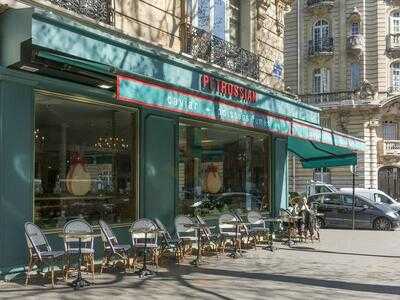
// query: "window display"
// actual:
[[84, 162], [222, 169]]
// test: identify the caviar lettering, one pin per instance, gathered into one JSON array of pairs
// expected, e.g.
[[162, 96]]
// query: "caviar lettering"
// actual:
[[228, 90]]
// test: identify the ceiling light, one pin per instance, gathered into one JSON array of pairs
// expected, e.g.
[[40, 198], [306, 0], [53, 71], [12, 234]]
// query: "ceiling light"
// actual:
[[105, 86], [29, 68]]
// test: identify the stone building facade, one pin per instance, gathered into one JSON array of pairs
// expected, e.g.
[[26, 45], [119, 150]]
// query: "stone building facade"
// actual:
[[343, 56]]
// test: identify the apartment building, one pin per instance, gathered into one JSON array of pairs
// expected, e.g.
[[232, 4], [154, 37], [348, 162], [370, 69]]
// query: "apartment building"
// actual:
[[343, 56]]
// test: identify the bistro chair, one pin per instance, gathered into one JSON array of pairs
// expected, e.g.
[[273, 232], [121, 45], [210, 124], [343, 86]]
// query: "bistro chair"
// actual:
[[186, 235], [167, 242], [71, 245], [227, 230], [40, 251], [257, 227], [209, 238], [140, 240], [112, 249]]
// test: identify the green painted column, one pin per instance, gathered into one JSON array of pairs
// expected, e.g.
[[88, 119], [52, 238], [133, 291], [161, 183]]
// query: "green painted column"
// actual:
[[158, 159], [16, 169], [280, 174]]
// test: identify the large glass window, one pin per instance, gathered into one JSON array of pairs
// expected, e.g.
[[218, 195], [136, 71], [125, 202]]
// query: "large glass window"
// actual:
[[84, 162], [396, 76], [222, 169], [354, 76], [234, 22], [321, 80]]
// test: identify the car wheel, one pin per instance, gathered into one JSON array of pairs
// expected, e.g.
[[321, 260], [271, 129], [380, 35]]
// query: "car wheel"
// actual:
[[320, 222], [382, 224]]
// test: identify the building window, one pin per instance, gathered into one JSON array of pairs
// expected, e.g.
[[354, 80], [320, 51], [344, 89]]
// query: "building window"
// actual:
[[321, 81], [320, 33], [322, 175], [395, 22], [325, 122], [354, 76], [234, 22], [222, 169], [395, 67], [84, 162], [355, 28], [389, 130]]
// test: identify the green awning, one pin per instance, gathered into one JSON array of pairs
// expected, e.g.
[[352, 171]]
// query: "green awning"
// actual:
[[317, 155]]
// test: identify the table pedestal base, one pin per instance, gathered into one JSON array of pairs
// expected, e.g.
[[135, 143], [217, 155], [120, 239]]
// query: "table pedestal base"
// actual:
[[80, 282], [144, 272]]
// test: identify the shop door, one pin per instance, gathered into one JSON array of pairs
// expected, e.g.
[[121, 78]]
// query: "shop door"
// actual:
[[158, 168], [389, 181]]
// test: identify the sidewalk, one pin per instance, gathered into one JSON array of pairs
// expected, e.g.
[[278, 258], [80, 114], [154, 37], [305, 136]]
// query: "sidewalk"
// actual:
[[345, 265]]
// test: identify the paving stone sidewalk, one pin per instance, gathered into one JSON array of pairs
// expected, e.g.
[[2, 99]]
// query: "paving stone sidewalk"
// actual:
[[345, 265]]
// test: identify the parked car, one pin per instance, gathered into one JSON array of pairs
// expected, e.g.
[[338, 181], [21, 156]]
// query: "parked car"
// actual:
[[317, 187], [375, 196], [337, 210]]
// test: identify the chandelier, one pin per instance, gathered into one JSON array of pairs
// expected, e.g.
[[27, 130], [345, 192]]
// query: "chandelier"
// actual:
[[39, 137], [111, 144]]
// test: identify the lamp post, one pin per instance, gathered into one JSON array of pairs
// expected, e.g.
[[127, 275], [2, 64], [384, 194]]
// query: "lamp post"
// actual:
[[354, 170]]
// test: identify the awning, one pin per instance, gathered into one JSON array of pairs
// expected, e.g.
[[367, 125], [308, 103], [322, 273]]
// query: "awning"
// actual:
[[317, 155]]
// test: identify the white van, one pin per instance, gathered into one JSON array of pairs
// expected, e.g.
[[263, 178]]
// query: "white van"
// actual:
[[375, 195], [317, 187]]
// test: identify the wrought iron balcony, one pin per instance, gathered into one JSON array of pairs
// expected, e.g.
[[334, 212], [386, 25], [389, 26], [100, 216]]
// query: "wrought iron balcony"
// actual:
[[99, 10], [355, 43], [328, 98], [203, 45], [320, 4], [389, 148], [393, 43], [322, 47]]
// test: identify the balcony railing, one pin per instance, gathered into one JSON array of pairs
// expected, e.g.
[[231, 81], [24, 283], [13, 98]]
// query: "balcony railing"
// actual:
[[393, 89], [203, 45], [327, 97], [320, 3], [99, 10], [355, 42], [322, 46], [391, 147], [393, 42]]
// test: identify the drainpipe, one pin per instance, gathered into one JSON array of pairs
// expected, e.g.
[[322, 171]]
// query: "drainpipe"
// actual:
[[365, 38], [298, 46]]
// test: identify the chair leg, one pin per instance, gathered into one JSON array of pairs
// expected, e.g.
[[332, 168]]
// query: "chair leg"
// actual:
[[92, 264], [52, 273], [28, 273], [155, 254]]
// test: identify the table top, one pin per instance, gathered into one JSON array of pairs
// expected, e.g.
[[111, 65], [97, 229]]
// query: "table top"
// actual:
[[79, 235], [145, 230], [236, 222], [272, 219]]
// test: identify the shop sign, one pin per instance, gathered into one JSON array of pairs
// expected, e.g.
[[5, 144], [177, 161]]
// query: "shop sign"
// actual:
[[227, 90], [152, 95]]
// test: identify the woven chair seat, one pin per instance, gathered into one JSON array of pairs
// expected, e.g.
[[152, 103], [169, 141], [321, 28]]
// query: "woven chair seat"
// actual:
[[51, 254], [122, 247], [230, 234], [141, 245], [83, 251]]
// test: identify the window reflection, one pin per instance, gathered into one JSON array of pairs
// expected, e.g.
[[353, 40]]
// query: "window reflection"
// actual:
[[83, 162], [222, 169]]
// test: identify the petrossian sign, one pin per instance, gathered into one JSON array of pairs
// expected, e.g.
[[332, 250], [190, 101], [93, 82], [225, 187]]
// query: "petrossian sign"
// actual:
[[228, 90]]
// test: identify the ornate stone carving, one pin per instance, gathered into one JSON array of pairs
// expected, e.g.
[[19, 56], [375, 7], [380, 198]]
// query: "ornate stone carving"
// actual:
[[366, 91]]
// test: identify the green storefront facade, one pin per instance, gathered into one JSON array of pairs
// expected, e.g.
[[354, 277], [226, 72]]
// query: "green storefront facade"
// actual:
[[172, 104]]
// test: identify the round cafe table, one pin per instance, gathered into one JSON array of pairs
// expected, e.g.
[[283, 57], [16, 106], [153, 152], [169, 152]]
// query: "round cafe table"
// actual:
[[199, 228], [80, 282], [144, 271], [291, 220], [236, 253]]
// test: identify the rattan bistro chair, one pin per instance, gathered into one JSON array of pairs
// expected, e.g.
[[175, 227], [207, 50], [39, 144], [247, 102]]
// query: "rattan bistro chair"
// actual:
[[186, 235], [140, 240], [112, 249], [167, 242], [227, 230], [258, 227], [72, 244], [209, 239], [40, 251]]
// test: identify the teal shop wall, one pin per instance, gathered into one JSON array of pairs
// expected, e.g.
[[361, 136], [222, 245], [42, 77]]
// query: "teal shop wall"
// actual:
[[280, 173], [16, 170], [158, 160]]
